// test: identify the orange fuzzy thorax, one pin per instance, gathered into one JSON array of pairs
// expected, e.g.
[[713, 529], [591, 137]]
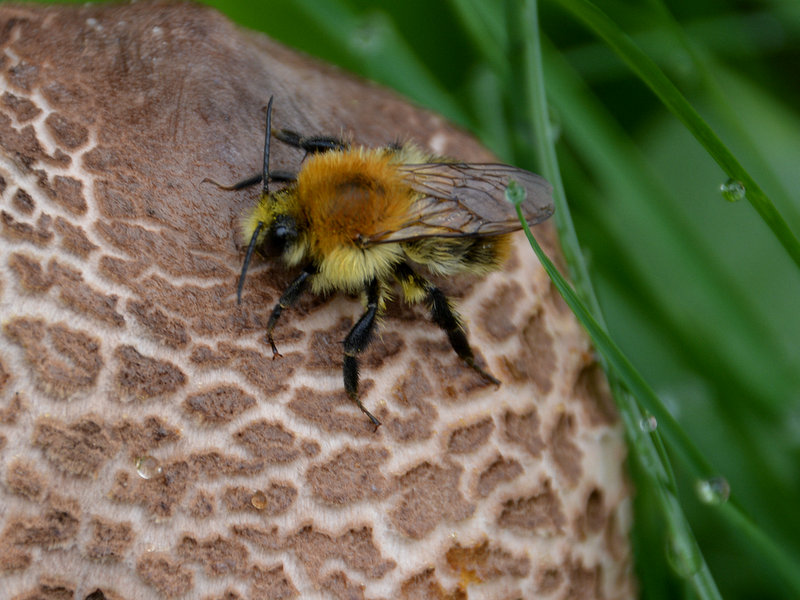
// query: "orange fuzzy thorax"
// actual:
[[351, 194]]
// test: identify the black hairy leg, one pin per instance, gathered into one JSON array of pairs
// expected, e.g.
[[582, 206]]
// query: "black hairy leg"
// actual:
[[286, 300], [443, 315], [354, 344], [311, 144], [280, 176]]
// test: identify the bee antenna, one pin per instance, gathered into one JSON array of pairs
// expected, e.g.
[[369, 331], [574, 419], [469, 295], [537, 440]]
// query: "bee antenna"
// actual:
[[251, 246], [267, 136]]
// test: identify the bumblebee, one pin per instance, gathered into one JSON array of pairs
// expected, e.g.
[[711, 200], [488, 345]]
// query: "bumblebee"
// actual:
[[357, 219]]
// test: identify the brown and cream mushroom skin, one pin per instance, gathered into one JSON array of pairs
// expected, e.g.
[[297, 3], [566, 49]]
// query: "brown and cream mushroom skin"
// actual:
[[149, 445]]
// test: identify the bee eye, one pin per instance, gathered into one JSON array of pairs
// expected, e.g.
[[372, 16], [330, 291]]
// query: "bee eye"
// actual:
[[282, 233]]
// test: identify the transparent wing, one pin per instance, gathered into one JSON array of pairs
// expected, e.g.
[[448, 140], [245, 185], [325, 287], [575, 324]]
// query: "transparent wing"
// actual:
[[466, 200]]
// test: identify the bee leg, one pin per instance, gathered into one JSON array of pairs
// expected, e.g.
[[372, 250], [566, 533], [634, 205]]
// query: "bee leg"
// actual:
[[287, 176], [252, 180], [442, 313], [354, 344], [312, 145], [288, 298], [239, 185], [446, 318]]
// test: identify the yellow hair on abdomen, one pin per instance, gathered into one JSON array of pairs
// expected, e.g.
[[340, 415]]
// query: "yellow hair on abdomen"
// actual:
[[350, 195], [347, 268], [449, 256]]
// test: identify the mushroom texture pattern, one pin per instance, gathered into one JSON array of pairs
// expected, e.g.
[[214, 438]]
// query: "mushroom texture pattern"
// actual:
[[150, 447]]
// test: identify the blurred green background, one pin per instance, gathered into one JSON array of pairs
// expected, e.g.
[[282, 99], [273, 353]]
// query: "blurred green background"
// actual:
[[695, 289]]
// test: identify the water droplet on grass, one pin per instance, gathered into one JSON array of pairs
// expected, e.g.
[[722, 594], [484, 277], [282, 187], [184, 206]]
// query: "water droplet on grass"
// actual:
[[648, 424], [683, 556], [733, 190], [714, 490]]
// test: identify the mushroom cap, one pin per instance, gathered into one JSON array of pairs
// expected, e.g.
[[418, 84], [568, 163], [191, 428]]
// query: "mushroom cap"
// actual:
[[150, 446]]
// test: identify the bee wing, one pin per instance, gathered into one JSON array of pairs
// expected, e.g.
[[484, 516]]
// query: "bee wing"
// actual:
[[466, 200]]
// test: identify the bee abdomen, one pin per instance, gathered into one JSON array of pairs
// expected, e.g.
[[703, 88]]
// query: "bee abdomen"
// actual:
[[447, 256]]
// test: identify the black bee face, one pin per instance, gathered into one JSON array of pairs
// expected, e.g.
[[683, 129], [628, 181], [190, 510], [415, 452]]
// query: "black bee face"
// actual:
[[281, 234]]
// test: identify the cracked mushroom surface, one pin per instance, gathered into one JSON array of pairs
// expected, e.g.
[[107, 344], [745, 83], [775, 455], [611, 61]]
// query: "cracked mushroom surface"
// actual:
[[150, 447]]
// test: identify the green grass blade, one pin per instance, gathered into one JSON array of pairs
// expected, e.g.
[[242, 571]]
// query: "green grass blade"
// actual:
[[647, 448], [686, 558], [524, 31], [616, 161], [783, 563], [666, 91], [706, 68], [533, 89], [483, 22]]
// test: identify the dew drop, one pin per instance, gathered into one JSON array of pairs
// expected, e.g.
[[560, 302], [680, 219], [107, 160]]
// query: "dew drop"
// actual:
[[733, 190], [648, 424], [683, 556], [259, 500], [555, 129], [714, 490], [370, 32], [147, 467]]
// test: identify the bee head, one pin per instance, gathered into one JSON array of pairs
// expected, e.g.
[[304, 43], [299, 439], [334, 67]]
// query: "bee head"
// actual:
[[281, 234]]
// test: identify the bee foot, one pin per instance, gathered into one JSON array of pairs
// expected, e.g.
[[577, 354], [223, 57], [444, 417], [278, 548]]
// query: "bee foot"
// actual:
[[275, 353], [485, 375]]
